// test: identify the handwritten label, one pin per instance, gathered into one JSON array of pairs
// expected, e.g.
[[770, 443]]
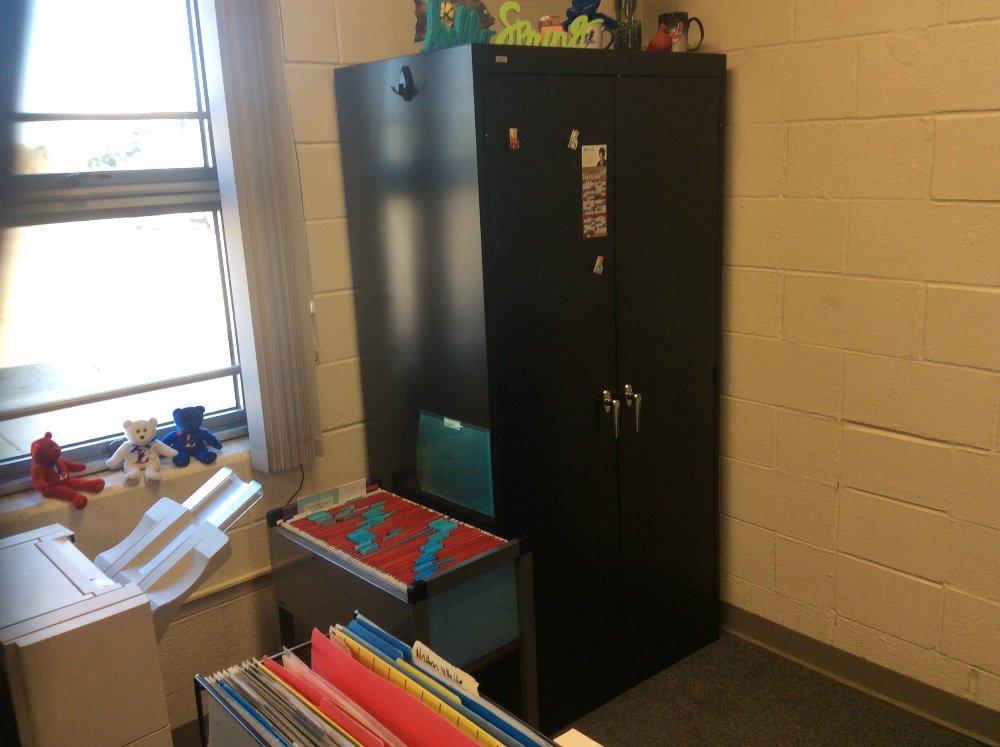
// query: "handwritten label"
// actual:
[[451, 674], [521, 33], [332, 497]]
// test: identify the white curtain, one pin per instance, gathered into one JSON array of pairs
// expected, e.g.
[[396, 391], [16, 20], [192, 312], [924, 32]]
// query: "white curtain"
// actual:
[[264, 228]]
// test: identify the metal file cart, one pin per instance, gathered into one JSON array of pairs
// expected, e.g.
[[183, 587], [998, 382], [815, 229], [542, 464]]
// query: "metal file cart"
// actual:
[[473, 615], [209, 702]]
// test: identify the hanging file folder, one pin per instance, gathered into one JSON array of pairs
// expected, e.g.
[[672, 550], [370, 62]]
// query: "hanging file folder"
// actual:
[[364, 688], [403, 714], [387, 533]]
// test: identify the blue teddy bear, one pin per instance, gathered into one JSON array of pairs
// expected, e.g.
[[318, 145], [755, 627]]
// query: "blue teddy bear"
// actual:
[[190, 439]]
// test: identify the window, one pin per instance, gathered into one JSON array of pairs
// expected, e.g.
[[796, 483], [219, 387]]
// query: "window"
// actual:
[[114, 287]]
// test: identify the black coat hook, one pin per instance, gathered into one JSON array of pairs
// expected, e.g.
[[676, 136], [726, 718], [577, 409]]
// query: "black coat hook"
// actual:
[[406, 87]]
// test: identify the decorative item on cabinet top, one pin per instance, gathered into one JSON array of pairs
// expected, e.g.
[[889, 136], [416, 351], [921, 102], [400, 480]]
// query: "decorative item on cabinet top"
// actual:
[[452, 24], [597, 22], [520, 32], [445, 15], [628, 35], [443, 23], [672, 35]]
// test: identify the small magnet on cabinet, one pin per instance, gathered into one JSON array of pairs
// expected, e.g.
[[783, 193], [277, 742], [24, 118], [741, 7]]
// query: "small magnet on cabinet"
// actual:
[[599, 265], [574, 140], [513, 143]]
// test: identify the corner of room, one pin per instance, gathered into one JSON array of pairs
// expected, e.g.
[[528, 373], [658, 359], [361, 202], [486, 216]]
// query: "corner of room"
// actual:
[[525, 372]]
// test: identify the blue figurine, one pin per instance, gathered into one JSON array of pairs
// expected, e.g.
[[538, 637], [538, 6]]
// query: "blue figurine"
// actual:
[[588, 8], [190, 439]]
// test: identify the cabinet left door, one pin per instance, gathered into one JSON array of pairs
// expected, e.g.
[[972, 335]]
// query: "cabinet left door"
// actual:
[[551, 341]]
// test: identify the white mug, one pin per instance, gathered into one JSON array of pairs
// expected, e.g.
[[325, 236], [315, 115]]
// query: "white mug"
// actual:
[[595, 35]]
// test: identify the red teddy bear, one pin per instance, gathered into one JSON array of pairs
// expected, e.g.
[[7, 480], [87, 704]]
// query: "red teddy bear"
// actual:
[[50, 474]]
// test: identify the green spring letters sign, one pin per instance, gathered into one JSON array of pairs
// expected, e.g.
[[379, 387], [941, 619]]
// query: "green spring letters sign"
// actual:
[[521, 33]]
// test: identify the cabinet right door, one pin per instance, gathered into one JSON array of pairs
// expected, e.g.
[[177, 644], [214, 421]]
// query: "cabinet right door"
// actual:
[[668, 177]]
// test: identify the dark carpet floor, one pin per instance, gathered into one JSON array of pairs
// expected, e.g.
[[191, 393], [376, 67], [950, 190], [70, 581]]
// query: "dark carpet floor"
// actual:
[[733, 692]]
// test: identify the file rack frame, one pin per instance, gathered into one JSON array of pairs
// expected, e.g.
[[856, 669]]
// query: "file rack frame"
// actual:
[[474, 614]]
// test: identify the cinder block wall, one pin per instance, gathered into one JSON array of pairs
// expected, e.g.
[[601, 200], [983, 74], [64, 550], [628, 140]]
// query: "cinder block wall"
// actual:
[[861, 500], [318, 36]]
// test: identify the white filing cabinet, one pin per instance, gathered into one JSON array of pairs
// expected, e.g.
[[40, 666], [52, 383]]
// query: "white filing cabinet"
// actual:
[[79, 649], [79, 638]]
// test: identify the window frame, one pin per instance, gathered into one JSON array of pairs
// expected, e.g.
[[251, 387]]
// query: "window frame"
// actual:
[[36, 199], [58, 198]]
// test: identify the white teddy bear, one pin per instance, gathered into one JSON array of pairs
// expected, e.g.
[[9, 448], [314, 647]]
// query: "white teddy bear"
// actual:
[[141, 451]]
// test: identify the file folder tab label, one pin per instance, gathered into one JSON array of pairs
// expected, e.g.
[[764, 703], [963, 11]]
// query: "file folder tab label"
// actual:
[[327, 498], [427, 659]]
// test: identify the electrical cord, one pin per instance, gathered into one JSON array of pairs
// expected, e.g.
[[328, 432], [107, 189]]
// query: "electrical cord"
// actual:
[[302, 480]]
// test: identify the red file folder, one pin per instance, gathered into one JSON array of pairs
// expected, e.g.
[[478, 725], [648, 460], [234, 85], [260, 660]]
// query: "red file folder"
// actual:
[[402, 714], [408, 523]]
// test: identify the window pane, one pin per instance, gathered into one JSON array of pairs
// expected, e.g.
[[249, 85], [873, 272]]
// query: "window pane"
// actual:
[[101, 419], [118, 56], [88, 145], [91, 306]]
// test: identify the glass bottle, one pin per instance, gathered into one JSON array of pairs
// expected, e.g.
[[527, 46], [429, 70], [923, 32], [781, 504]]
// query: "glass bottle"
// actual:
[[628, 35]]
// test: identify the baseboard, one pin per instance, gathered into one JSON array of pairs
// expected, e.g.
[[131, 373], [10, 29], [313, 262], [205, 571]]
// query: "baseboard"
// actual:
[[918, 697]]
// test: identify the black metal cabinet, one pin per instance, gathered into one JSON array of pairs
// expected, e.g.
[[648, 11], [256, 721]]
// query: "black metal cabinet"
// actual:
[[488, 339]]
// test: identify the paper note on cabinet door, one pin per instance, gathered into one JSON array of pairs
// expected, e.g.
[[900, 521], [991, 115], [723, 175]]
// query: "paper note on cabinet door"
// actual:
[[595, 190]]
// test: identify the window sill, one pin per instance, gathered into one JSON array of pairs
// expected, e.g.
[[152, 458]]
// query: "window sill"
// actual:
[[111, 514]]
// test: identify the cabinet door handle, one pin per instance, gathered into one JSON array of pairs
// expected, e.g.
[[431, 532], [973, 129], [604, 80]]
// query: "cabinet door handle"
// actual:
[[633, 399], [613, 407]]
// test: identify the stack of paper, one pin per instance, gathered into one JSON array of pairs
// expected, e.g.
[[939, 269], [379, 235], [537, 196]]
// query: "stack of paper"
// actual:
[[396, 537], [365, 687]]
